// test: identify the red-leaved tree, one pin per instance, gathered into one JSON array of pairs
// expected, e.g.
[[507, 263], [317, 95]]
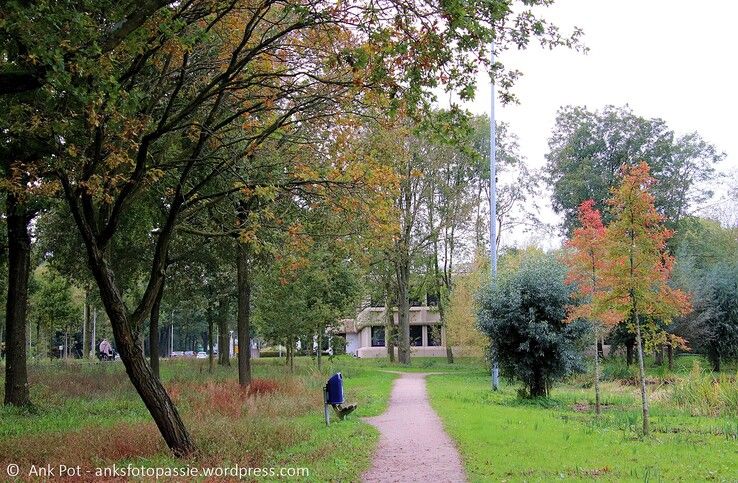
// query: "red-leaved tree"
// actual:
[[637, 265], [585, 260]]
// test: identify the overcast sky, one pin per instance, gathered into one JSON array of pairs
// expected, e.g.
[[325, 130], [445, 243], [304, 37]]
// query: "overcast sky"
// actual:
[[673, 59]]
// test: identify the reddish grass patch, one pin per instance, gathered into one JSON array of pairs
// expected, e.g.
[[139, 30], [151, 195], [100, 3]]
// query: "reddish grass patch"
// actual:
[[262, 386], [224, 398], [88, 447], [174, 389]]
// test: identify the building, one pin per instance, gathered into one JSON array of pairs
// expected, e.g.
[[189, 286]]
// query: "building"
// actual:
[[365, 335]]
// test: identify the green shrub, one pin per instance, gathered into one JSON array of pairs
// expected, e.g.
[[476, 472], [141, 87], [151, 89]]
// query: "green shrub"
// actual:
[[523, 315]]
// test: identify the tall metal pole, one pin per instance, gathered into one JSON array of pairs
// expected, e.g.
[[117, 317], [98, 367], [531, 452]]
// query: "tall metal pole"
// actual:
[[493, 199], [94, 334], [171, 338]]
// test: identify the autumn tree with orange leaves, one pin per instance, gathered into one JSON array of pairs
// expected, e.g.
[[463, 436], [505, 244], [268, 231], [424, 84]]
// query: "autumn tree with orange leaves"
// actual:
[[585, 260], [637, 266]]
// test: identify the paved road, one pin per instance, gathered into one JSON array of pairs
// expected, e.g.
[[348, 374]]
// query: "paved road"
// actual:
[[413, 445]]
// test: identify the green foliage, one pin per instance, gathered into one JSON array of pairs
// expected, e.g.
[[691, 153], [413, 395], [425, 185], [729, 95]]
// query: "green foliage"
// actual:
[[716, 312], [523, 313], [587, 148], [701, 243], [617, 369], [52, 303], [707, 266], [304, 299]]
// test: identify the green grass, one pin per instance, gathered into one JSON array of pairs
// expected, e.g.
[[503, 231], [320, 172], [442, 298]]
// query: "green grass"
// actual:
[[284, 429], [502, 437]]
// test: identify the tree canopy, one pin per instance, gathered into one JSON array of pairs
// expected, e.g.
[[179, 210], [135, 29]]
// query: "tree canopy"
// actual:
[[587, 149]]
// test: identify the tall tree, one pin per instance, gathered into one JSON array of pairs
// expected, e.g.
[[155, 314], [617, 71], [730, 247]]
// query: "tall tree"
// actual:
[[716, 313], [449, 207], [413, 174], [587, 149], [638, 266]]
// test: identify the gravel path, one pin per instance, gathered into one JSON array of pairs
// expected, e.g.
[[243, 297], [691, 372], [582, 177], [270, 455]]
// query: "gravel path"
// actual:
[[413, 445]]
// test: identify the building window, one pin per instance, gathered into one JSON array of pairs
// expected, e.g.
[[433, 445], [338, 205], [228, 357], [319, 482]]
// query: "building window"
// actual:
[[416, 335], [434, 335], [377, 336]]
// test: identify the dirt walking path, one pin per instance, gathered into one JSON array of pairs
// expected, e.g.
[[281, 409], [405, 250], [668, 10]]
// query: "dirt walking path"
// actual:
[[413, 445]]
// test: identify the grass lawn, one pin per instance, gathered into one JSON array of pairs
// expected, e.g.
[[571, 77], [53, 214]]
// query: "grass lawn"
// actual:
[[504, 438], [89, 414]]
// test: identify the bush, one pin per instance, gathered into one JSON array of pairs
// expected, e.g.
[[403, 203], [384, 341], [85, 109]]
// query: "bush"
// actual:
[[523, 314], [716, 313]]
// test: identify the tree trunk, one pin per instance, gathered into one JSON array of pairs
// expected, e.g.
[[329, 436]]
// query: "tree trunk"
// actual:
[[670, 356], [389, 322], [244, 315], [154, 332], [642, 371], [597, 374], [148, 386], [93, 333], [537, 385], [439, 285], [403, 305], [291, 353], [152, 392], [19, 265], [211, 355], [442, 316], [224, 349], [659, 355], [629, 353]]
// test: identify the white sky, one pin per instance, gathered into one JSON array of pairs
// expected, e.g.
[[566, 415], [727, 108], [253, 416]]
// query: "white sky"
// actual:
[[673, 59]]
